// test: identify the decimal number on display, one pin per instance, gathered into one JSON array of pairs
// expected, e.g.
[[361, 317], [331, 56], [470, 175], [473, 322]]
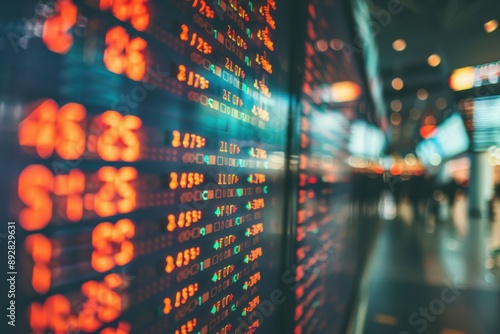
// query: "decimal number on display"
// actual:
[[187, 140], [194, 40], [182, 259], [191, 78], [183, 219], [185, 180]]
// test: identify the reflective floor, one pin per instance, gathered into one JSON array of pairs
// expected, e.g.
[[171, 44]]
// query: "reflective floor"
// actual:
[[435, 273]]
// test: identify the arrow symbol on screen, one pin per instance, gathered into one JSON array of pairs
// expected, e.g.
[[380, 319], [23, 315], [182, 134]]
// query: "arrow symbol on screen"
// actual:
[[217, 212], [214, 309], [214, 278], [244, 313], [247, 233], [245, 287], [246, 259], [249, 206], [216, 245]]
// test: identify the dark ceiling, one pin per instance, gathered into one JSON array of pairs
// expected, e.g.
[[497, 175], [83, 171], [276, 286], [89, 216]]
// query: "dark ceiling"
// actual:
[[453, 29]]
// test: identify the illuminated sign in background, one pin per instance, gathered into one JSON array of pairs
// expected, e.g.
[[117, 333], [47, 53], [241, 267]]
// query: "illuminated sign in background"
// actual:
[[144, 161]]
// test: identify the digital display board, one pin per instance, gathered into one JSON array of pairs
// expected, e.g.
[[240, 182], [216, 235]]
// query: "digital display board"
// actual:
[[143, 160], [327, 256]]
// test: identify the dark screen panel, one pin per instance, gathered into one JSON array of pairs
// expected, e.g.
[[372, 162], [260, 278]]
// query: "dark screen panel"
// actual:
[[143, 152]]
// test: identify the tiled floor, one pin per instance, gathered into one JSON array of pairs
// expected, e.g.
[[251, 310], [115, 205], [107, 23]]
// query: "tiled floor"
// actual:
[[432, 276]]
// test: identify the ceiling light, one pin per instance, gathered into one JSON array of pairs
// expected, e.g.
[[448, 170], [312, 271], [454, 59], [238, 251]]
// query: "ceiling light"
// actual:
[[462, 78], [422, 94], [336, 44], [395, 119], [345, 91], [321, 45], [491, 26], [397, 83], [434, 60], [396, 105], [399, 44], [441, 103]]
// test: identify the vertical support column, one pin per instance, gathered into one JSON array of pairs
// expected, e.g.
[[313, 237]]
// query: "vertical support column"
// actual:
[[480, 184]]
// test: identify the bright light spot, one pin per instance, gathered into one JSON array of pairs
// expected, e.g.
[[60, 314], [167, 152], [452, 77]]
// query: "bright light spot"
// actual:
[[441, 103], [491, 26], [321, 45], [462, 78], [422, 94], [435, 159], [397, 83], [345, 91], [395, 119], [396, 105], [411, 159], [399, 44], [336, 44], [434, 60]]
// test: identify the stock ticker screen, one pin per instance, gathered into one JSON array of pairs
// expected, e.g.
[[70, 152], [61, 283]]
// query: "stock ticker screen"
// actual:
[[143, 162]]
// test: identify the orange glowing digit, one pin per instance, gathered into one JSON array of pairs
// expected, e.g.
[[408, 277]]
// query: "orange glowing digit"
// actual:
[[191, 77], [134, 10], [116, 194], [181, 219], [185, 142], [38, 129], [54, 314], [178, 261], [103, 305], [185, 33], [40, 249], [170, 265], [193, 39], [71, 186], [167, 306], [182, 73], [112, 245], [176, 140], [195, 3], [34, 186], [173, 181], [49, 129], [171, 223], [123, 328], [119, 140], [56, 28], [177, 299], [136, 62], [116, 43], [123, 54], [183, 181], [71, 137]]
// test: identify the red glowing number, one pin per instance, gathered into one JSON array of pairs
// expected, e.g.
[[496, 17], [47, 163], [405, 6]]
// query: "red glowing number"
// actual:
[[119, 140], [135, 11], [56, 28], [40, 249], [123, 328], [34, 187], [116, 195], [53, 315], [112, 245], [48, 128], [103, 304], [125, 55]]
